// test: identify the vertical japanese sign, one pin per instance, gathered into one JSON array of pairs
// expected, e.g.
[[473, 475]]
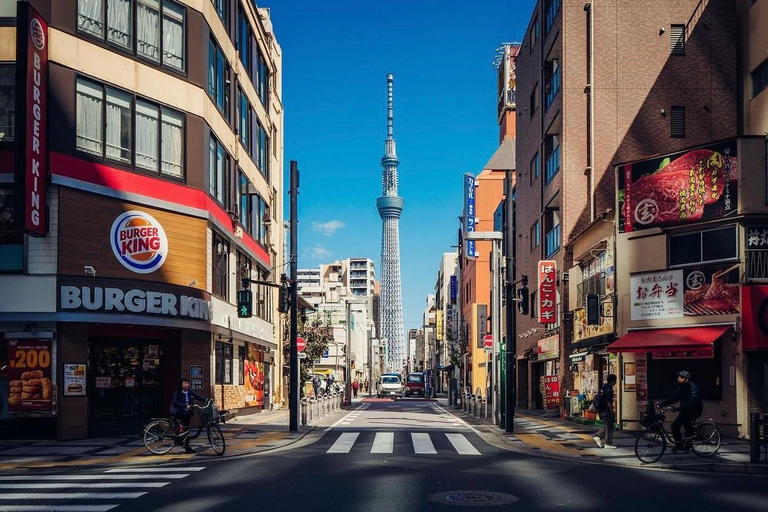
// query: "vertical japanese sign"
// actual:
[[657, 295], [439, 325], [30, 387], [31, 119], [482, 323], [469, 213], [552, 391], [547, 292], [454, 288]]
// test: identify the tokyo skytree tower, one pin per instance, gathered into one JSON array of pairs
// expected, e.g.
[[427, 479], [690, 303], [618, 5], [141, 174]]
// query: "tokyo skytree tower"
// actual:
[[390, 206]]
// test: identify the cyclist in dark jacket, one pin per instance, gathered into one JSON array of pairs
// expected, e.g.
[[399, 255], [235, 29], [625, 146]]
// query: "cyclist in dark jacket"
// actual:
[[181, 408], [691, 406]]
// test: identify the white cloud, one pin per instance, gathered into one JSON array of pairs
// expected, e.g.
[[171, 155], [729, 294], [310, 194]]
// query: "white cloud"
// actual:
[[319, 252], [328, 228]]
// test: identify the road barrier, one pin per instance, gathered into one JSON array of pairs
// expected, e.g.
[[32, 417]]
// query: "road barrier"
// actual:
[[313, 409]]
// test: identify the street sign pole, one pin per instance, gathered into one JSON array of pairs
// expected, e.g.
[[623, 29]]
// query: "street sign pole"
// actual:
[[293, 399]]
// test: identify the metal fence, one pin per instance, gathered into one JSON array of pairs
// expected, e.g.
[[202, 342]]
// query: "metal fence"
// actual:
[[314, 409]]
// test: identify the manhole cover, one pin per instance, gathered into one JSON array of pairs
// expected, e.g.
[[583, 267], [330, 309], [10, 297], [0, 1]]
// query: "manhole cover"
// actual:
[[472, 498]]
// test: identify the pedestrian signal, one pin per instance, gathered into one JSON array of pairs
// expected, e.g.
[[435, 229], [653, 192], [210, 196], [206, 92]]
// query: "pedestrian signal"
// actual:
[[244, 303]]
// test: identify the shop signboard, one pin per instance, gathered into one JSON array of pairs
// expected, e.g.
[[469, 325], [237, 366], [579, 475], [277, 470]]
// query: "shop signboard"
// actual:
[[657, 295], [254, 376], [641, 378], [103, 382], [30, 386], [547, 292], [755, 322], [552, 391], [700, 353], [454, 288], [469, 213], [439, 325], [548, 348], [630, 380], [482, 323], [757, 237], [680, 188], [196, 376], [74, 379], [138, 242], [582, 330]]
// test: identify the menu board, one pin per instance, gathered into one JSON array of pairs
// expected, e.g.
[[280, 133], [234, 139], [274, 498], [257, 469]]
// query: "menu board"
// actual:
[[74, 380]]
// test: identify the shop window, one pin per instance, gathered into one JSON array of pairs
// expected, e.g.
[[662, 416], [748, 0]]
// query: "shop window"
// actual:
[[705, 373], [711, 245], [7, 102], [220, 266], [11, 240], [223, 363], [260, 76]]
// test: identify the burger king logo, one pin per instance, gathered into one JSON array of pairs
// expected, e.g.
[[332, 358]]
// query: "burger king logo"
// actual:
[[37, 33], [139, 242]]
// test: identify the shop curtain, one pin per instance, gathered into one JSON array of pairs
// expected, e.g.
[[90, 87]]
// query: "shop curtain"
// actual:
[[89, 117], [90, 16], [118, 126], [173, 35], [146, 136], [119, 22], [172, 143], [148, 28]]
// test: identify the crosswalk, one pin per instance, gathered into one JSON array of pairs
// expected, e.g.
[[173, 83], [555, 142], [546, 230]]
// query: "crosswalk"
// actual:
[[84, 492], [419, 443]]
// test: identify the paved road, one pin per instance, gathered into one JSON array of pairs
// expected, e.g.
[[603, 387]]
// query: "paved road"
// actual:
[[382, 456]]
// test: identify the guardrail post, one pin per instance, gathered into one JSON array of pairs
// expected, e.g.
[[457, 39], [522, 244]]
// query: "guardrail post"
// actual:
[[754, 438], [304, 412]]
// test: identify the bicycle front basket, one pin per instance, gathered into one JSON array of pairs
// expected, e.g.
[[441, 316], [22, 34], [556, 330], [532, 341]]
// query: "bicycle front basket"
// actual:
[[648, 419]]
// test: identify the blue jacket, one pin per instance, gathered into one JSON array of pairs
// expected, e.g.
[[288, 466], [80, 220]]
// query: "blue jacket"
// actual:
[[179, 402]]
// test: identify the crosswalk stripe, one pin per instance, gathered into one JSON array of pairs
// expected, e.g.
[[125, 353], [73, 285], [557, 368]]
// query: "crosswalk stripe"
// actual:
[[383, 442], [462, 444], [56, 508], [83, 485], [422, 443], [72, 496], [344, 443], [153, 470], [170, 476]]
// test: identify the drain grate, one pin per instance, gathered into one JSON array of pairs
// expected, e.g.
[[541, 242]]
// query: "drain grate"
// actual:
[[472, 498]]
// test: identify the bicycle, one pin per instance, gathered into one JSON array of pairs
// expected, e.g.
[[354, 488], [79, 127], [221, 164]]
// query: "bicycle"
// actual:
[[161, 434], [650, 446]]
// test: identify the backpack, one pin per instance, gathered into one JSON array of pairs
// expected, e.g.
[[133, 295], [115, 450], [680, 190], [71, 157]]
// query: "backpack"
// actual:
[[599, 401]]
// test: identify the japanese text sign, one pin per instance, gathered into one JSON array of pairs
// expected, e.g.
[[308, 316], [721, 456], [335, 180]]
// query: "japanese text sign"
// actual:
[[552, 391], [469, 213], [547, 292], [757, 238], [657, 295]]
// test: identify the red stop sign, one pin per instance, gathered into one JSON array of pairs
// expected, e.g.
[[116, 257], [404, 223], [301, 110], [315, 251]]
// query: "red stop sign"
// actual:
[[300, 344], [488, 341]]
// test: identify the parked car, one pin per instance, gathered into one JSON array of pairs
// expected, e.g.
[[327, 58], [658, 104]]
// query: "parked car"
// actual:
[[414, 384], [390, 384]]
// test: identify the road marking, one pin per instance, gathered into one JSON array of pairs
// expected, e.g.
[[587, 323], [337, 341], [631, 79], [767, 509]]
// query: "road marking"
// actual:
[[72, 496], [383, 442], [342, 419], [57, 508], [171, 476], [422, 444], [344, 443], [463, 423], [153, 470], [76, 485], [462, 444]]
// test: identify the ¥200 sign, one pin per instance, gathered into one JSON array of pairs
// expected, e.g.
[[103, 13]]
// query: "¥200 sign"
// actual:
[[547, 292]]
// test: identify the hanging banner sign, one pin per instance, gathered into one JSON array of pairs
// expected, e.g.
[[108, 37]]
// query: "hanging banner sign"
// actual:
[[547, 292], [454, 288], [469, 213]]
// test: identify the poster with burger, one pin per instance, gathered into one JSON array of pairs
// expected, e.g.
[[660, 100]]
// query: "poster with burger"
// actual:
[[680, 188], [254, 377], [29, 375], [74, 380]]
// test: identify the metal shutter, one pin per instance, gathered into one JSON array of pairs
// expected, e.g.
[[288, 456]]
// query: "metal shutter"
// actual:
[[677, 40], [758, 382], [678, 121]]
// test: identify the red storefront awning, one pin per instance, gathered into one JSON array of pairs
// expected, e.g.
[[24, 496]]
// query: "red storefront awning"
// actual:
[[689, 338]]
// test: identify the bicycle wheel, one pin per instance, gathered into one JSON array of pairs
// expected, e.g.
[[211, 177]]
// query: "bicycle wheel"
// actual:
[[216, 438], [159, 437], [706, 442], [650, 446]]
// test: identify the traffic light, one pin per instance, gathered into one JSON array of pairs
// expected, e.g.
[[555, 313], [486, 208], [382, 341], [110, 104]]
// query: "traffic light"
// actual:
[[284, 302], [522, 305], [244, 303], [593, 309]]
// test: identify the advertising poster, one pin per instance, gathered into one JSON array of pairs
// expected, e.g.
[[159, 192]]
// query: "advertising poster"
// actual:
[[657, 295], [29, 374], [630, 381], [679, 188], [548, 348], [196, 376], [641, 378], [254, 377], [712, 290], [552, 391], [74, 380]]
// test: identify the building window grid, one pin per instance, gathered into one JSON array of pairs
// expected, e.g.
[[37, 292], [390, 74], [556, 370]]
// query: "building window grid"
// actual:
[[218, 78], [220, 267], [707, 242], [553, 7], [222, 10], [553, 165], [553, 86], [535, 235], [535, 168]]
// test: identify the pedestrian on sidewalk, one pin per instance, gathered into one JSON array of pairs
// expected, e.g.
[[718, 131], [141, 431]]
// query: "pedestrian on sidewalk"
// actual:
[[355, 387], [316, 384], [367, 387], [604, 404]]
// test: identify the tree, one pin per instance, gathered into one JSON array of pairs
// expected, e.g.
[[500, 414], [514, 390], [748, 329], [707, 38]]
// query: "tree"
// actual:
[[316, 335]]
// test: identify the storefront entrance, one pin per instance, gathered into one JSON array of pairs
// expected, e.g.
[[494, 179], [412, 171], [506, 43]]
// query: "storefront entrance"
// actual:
[[126, 378]]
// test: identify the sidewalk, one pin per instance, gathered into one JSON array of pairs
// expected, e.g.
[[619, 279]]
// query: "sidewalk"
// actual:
[[244, 435], [550, 436]]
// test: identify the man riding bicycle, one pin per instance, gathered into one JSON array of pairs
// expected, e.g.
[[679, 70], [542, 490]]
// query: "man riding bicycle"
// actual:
[[691, 406], [181, 408]]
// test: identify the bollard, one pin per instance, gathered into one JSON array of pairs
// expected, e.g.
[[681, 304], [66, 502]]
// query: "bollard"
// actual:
[[464, 400], [304, 412], [754, 438]]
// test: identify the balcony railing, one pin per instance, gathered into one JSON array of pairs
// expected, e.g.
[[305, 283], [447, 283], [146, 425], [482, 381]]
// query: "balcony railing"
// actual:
[[552, 242], [552, 10], [553, 87], [553, 165]]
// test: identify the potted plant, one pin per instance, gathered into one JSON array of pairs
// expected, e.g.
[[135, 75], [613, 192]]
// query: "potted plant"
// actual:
[[588, 415]]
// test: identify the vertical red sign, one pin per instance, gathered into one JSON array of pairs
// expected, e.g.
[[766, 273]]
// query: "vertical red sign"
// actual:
[[31, 119], [547, 292], [552, 391]]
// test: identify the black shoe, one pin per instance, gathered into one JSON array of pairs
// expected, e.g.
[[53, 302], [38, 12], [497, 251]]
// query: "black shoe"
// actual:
[[679, 449], [187, 449]]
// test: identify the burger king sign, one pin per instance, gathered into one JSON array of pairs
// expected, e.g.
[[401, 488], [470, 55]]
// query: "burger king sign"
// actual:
[[139, 242]]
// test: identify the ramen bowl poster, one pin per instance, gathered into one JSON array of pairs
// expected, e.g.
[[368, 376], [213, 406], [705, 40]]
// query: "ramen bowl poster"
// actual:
[[680, 188]]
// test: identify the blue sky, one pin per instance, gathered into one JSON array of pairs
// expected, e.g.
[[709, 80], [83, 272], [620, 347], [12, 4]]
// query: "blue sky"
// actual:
[[336, 56]]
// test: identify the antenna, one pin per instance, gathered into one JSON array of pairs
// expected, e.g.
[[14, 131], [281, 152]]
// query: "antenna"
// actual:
[[390, 107]]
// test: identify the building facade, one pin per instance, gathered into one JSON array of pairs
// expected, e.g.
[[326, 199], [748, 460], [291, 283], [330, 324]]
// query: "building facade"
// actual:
[[155, 196], [447, 349]]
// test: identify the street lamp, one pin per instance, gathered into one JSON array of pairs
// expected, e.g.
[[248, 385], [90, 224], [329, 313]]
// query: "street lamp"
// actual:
[[496, 237]]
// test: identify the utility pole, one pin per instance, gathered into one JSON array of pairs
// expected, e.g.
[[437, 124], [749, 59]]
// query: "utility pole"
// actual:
[[294, 357], [511, 320], [348, 383]]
